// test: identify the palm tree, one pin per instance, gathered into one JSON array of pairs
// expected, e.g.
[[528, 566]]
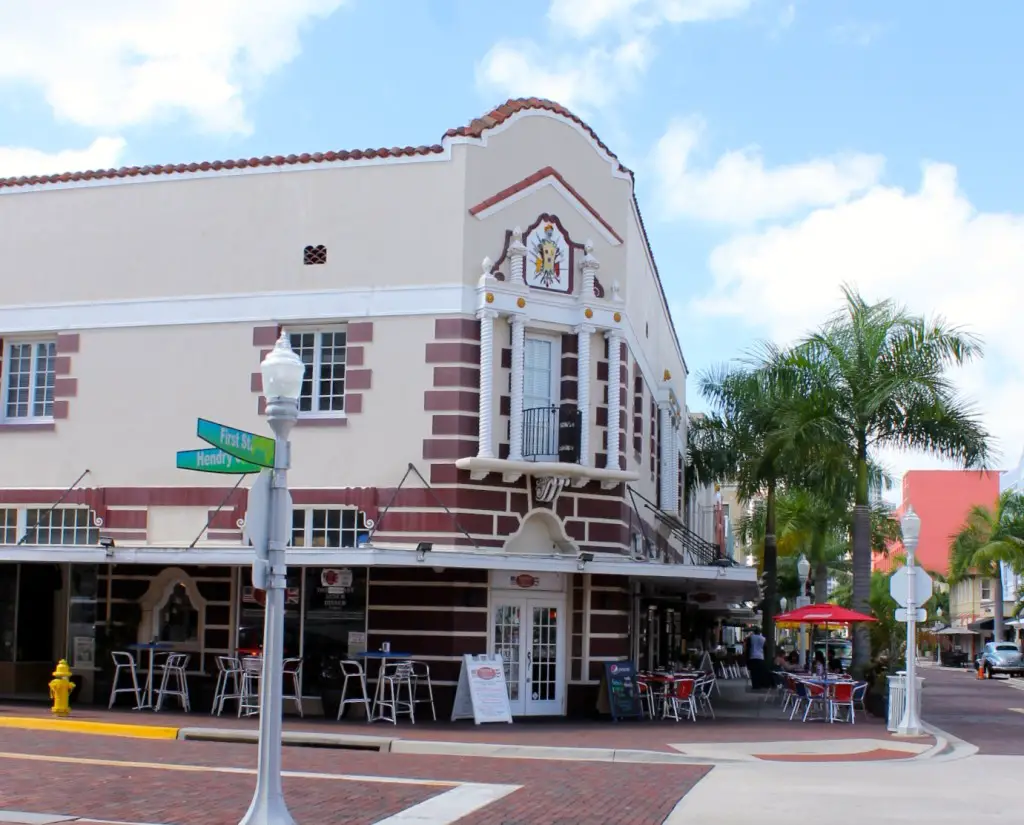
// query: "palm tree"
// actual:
[[880, 379], [990, 535], [734, 443]]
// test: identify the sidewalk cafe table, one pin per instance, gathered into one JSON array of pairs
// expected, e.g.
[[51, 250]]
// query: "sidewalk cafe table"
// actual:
[[147, 691], [382, 657]]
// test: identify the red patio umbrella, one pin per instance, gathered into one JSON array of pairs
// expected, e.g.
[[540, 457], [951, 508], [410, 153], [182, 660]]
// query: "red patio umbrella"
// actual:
[[823, 614]]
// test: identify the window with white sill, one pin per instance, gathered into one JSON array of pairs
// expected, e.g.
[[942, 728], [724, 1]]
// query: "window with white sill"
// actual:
[[329, 527], [986, 590], [323, 385], [29, 374]]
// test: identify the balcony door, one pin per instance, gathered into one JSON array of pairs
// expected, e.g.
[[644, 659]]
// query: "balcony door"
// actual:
[[541, 394]]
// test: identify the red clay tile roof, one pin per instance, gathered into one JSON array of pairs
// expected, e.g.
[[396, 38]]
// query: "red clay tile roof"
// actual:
[[474, 129]]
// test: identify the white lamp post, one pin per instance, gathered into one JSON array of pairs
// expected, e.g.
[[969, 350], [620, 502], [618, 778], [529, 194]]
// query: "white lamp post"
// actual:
[[783, 603], [910, 724], [803, 570], [282, 373], [938, 644]]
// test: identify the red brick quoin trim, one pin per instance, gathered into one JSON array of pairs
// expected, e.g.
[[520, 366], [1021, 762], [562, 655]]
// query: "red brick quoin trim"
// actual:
[[65, 387], [358, 378]]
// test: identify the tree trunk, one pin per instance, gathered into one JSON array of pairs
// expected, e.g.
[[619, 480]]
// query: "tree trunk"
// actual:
[[998, 626], [771, 575], [861, 562], [821, 582]]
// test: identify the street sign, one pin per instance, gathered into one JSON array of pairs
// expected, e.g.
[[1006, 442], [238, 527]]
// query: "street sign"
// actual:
[[255, 449], [922, 585], [213, 461], [920, 615], [256, 527]]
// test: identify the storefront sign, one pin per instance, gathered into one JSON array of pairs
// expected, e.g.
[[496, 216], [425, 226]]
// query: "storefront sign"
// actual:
[[621, 692], [482, 694], [253, 595], [505, 580], [526, 580], [356, 643]]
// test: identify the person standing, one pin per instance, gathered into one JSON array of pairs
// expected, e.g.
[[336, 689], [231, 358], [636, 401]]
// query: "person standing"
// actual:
[[758, 678]]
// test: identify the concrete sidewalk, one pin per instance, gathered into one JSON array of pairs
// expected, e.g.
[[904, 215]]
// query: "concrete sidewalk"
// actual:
[[746, 728], [25, 818]]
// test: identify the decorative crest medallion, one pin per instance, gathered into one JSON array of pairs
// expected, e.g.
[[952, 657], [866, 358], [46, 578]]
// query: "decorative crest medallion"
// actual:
[[549, 256]]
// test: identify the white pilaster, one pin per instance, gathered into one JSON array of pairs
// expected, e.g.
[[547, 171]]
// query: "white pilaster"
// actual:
[[588, 267], [517, 257], [668, 468], [614, 396], [485, 449], [583, 369], [515, 446]]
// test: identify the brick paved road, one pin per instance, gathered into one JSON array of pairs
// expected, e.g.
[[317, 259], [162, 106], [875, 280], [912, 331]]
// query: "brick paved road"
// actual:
[[977, 711], [552, 793]]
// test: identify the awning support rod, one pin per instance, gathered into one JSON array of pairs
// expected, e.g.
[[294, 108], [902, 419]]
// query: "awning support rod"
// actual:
[[213, 515]]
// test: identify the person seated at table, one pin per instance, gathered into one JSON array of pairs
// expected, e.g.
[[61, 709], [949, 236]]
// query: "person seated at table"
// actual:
[[782, 662], [794, 660], [819, 669]]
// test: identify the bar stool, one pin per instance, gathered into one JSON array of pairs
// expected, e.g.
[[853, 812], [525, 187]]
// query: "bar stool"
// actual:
[[124, 661], [421, 675], [393, 679], [293, 668], [354, 670], [252, 670], [174, 681], [229, 672]]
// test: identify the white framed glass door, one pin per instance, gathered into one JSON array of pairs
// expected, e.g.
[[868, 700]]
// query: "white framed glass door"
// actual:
[[540, 398], [528, 632]]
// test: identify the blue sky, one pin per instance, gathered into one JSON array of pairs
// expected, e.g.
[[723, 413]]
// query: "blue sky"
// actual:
[[781, 147]]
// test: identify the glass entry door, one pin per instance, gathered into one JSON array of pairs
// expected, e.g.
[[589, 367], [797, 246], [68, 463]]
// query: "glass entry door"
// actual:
[[528, 635]]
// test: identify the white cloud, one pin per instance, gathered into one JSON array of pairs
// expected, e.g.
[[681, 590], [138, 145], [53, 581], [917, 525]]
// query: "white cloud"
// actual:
[[930, 249], [103, 153], [619, 51], [857, 34], [109, 64], [740, 189], [583, 18]]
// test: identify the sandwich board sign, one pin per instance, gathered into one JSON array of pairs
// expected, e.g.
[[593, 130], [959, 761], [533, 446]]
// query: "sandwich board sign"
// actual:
[[482, 694]]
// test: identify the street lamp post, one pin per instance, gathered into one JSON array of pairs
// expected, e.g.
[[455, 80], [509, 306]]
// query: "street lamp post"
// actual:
[[803, 570], [938, 644], [910, 724], [282, 372]]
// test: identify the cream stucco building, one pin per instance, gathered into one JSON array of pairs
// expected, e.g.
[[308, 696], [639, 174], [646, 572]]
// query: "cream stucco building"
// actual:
[[486, 310]]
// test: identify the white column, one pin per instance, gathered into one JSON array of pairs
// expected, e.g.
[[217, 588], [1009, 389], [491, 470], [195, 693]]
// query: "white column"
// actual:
[[515, 447], [668, 470], [517, 258], [614, 396], [583, 334], [486, 438]]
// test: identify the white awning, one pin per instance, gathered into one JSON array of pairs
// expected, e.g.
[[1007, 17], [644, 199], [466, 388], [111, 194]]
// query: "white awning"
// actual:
[[739, 580], [957, 631]]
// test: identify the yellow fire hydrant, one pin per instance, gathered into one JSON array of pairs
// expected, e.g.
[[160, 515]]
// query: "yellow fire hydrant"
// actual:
[[60, 689]]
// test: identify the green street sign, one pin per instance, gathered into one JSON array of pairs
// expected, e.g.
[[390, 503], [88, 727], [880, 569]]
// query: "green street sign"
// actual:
[[254, 449], [214, 461]]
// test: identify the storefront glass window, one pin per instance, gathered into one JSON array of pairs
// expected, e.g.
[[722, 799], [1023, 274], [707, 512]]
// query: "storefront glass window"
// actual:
[[251, 615], [335, 626], [8, 610], [179, 620], [82, 617]]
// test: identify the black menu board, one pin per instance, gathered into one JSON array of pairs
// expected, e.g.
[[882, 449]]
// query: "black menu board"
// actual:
[[623, 692]]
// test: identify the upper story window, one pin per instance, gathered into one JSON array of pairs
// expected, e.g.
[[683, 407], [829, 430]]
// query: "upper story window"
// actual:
[[328, 527], [29, 373], [323, 386], [986, 590], [41, 525]]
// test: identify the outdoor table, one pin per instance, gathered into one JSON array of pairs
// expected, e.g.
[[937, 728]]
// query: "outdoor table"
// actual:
[[147, 691], [382, 657]]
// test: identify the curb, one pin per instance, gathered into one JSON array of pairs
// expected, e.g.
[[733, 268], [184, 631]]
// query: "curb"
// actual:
[[426, 747], [955, 747], [93, 728], [344, 741]]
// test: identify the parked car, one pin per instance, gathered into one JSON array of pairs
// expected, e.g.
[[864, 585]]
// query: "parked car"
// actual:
[[1001, 657], [841, 650]]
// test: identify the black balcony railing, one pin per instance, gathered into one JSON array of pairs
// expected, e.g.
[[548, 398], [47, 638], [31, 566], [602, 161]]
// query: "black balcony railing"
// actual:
[[552, 433]]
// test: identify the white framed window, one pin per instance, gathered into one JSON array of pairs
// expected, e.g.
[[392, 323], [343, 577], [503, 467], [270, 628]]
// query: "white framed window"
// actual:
[[323, 386], [63, 525], [30, 370], [986, 590], [9, 525], [542, 391], [329, 527]]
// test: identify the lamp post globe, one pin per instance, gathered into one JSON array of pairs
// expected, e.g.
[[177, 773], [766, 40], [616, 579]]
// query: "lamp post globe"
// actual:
[[783, 602], [803, 569], [910, 524], [282, 371]]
